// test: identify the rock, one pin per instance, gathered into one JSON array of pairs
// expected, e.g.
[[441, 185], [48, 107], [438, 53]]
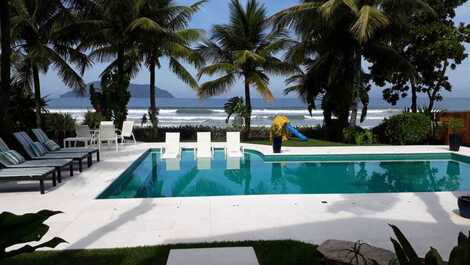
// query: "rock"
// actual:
[[339, 252]]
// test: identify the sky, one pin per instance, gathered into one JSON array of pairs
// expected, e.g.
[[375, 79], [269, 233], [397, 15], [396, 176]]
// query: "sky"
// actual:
[[217, 12]]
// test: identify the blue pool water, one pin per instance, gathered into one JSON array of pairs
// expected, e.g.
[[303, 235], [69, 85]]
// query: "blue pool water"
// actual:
[[150, 176]]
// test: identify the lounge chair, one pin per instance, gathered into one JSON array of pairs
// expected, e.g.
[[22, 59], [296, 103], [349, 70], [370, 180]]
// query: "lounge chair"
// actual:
[[53, 147], [108, 134], [204, 147], [82, 135], [172, 147], [233, 148], [29, 174], [9, 159], [27, 143], [127, 131]]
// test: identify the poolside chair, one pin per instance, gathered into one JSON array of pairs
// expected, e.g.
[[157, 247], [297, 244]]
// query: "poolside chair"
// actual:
[[29, 174], [53, 147], [36, 151], [11, 159], [233, 163], [204, 147], [83, 135], [172, 147], [233, 148], [127, 131], [108, 134], [173, 164]]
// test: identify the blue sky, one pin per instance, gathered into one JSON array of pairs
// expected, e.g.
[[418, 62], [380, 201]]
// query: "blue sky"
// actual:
[[216, 12]]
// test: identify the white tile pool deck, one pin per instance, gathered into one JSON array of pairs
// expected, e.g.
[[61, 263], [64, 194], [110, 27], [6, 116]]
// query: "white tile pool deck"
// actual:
[[428, 219]]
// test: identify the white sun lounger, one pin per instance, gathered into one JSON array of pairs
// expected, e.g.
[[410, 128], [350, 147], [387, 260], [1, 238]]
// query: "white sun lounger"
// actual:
[[172, 147], [204, 147], [233, 148]]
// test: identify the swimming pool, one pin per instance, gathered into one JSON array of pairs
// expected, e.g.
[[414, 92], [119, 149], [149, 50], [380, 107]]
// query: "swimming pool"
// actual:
[[255, 174]]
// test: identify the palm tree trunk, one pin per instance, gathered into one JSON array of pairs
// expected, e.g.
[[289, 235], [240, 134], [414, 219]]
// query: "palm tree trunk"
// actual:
[[248, 109], [153, 103], [37, 95], [5, 64], [356, 88], [414, 99]]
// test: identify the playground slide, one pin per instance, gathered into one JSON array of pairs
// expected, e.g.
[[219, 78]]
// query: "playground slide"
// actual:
[[296, 133]]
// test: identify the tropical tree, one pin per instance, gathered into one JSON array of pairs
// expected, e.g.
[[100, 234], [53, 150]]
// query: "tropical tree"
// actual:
[[5, 62], [243, 48], [434, 45], [40, 41], [162, 32], [336, 36]]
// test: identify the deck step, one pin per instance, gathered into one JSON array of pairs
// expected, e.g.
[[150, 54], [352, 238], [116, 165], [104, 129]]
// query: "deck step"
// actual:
[[213, 256]]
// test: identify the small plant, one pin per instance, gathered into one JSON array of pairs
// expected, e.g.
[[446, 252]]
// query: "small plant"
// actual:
[[93, 119], [235, 107], [22, 229], [359, 136], [455, 125]]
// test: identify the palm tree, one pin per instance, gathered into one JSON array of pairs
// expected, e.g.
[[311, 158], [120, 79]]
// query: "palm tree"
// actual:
[[5, 62], [353, 30], [243, 48], [38, 35], [162, 32]]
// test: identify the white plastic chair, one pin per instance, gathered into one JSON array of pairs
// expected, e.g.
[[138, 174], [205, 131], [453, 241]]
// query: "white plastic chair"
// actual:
[[83, 135], [172, 147], [204, 147], [233, 148], [127, 131], [108, 133]]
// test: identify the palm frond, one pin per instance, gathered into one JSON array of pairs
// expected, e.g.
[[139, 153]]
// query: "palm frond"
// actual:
[[370, 20], [217, 86], [182, 73]]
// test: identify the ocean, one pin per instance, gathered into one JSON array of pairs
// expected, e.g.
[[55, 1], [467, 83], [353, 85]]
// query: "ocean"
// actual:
[[195, 112]]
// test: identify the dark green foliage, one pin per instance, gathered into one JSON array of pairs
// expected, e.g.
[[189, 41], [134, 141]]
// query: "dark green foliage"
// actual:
[[456, 125], [59, 126], [359, 136], [267, 252], [405, 128], [22, 229], [111, 101], [235, 107], [406, 255], [433, 45], [93, 119]]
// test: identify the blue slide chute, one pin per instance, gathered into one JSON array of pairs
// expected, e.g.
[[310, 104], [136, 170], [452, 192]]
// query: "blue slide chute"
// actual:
[[296, 133]]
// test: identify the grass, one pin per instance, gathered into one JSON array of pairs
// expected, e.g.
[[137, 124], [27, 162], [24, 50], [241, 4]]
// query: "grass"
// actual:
[[285, 252], [298, 143]]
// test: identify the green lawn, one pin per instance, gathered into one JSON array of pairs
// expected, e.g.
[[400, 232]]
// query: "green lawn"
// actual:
[[296, 142], [284, 252]]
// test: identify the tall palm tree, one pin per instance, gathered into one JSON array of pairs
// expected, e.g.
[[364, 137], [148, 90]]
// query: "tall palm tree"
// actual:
[[38, 35], [5, 68], [359, 27], [162, 31], [243, 48]]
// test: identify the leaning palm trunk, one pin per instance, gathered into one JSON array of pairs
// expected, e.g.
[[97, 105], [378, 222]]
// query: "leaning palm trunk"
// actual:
[[153, 103], [357, 83], [248, 110], [37, 95]]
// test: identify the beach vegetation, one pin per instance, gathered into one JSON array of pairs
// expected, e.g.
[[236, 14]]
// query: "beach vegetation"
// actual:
[[404, 129], [93, 119], [236, 109], [434, 45], [59, 126], [244, 48]]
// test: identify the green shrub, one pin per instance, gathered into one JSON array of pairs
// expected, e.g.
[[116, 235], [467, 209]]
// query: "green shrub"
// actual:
[[93, 119], [59, 126], [456, 125], [359, 136], [405, 128]]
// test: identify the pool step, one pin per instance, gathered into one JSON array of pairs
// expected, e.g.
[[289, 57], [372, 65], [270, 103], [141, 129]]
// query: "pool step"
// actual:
[[213, 256]]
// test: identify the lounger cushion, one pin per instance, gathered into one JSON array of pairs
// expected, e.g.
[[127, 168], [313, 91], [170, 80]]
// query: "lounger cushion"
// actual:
[[11, 157], [38, 149], [51, 145]]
